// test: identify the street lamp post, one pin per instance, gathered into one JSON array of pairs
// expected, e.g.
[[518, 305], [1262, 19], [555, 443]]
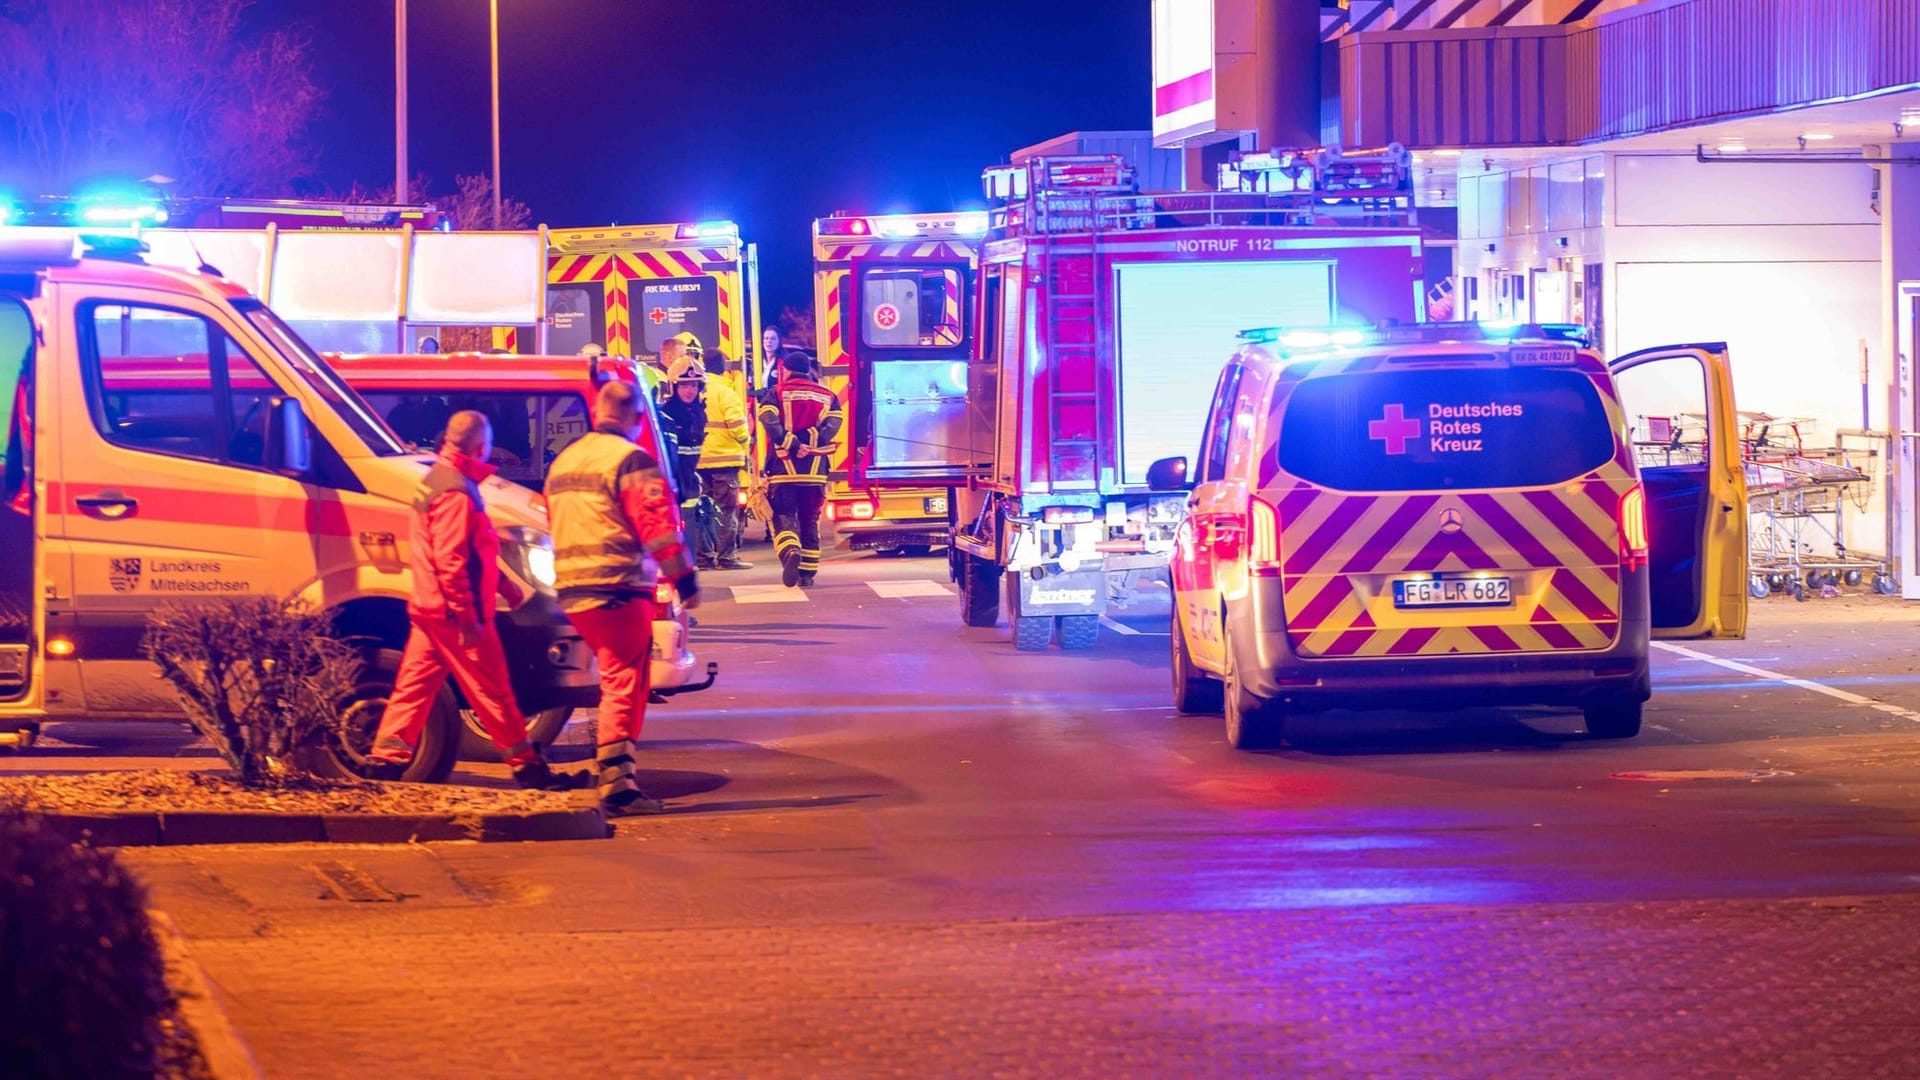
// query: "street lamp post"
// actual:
[[400, 101], [495, 10]]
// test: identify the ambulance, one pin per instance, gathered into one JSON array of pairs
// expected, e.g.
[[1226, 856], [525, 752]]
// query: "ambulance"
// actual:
[[893, 299], [170, 438], [1451, 515]]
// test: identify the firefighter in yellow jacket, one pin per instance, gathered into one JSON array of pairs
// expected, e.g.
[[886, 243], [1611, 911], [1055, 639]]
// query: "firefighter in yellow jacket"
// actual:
[[801, 420], [723, 457]]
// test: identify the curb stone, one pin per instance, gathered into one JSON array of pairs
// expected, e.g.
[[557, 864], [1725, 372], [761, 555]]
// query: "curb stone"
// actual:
[[154, 828], [201, 1007]]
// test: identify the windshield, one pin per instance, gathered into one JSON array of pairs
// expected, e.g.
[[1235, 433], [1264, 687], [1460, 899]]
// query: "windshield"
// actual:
[[322, 380]]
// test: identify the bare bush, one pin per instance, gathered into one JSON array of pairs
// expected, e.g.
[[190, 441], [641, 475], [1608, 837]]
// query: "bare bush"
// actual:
[[261, 677]]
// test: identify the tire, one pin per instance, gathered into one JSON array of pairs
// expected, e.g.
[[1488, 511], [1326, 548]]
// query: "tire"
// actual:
[[1251, 723], [1079, 632], [1194, 691], [345, 754], [979, 589], [1885, 585], [1032, 633], [1613, 719], [1853, 578], [543, 728], [1758, 588], [1799, 591]]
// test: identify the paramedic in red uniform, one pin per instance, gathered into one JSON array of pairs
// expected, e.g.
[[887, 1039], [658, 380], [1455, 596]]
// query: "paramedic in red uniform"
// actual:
[[455, 559], [616, 532], [802, 421]]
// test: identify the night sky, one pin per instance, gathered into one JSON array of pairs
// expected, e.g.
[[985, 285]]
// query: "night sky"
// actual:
[[769, 112]]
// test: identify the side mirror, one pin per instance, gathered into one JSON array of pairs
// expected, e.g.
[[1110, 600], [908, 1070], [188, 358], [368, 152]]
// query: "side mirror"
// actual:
[[288, 440], [1168, 474]]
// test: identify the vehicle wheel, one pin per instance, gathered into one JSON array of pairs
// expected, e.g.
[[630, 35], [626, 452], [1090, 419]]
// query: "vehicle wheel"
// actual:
[[979, 588], [346, 754], [543, 728], [1079, 631], [1252, 724], [1885, 585], [1853, 578], [1613, 719], [1032, 633], [1194, 691], [1799, 591], [1758, 588]]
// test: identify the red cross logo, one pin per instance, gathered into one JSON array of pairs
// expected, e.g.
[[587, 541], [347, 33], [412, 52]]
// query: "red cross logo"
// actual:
[[658, 315], [1394, 429]]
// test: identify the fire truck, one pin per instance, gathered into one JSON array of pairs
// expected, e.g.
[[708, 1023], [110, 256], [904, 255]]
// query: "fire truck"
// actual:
[[893, 297], [1103, 318]]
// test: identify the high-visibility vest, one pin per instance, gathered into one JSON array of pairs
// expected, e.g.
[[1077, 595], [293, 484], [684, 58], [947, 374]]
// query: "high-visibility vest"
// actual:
[[726, 443], [597, 554]]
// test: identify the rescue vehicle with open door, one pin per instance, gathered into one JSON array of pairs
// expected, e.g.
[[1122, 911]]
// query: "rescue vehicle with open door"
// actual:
[[1100, 314], [893, 300], [1451, 515], [172, 439]]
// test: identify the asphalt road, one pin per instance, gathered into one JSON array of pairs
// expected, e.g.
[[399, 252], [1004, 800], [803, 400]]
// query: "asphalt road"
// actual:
[[900, 847]]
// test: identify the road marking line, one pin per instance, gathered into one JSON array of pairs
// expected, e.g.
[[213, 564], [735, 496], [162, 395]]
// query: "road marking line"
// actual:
[[1122, 628], [767, 594], [1787, 680], [900, 590]]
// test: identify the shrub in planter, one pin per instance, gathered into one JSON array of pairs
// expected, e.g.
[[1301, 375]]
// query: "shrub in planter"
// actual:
[[82, 985], [261, 677]]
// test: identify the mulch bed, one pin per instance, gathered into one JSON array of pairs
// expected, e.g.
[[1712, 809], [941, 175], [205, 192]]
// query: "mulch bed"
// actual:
[[183, 792]]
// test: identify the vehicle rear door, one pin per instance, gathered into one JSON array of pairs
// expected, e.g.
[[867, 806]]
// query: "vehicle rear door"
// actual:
[[909, 333], [18, 537], [1681, 423]]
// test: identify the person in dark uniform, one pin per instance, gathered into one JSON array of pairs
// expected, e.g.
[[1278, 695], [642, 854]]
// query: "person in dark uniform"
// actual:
[[802, 420]]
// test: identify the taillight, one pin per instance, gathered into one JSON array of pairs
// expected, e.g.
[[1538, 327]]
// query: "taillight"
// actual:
[[864, 510], [1263, 535], [663, 594], [1633, 528]]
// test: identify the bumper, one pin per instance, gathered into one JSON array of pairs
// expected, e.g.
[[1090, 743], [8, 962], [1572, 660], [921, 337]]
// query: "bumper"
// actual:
[[550, 666], [1275, 673], [673, 665], [891, 532]]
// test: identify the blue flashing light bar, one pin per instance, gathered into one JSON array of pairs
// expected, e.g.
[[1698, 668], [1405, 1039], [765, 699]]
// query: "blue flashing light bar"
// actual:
[[710, 230], [1308, 338]]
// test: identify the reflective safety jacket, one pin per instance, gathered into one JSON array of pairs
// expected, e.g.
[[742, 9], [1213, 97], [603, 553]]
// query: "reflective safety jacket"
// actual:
[[454, 554], [726, 443], [616, 528], [802, 423]]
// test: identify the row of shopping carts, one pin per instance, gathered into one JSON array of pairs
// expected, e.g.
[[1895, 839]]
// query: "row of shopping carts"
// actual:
[[1800, 494]]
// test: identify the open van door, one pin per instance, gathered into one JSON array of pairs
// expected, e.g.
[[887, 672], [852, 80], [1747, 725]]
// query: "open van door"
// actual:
[[17, 533], [908, 338], [1683, 430]]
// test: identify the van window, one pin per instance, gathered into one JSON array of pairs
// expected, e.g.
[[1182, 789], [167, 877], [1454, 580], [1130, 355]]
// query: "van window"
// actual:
[[167, 382], [529, 429], [1213, 465], [913, 307], [1444, 428]]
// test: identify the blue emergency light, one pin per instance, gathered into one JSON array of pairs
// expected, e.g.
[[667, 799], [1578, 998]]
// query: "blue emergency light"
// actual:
[[1311, 338]]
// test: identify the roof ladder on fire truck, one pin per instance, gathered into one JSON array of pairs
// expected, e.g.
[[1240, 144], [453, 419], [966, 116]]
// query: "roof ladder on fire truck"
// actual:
[[1070, 278]]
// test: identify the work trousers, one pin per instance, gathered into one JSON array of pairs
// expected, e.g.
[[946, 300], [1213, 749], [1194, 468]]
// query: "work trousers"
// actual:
[[720, 541], [796, 521], [621, 637], [433, 652]]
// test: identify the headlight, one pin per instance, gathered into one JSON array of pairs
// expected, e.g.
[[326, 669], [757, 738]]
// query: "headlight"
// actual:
[[529, 554]]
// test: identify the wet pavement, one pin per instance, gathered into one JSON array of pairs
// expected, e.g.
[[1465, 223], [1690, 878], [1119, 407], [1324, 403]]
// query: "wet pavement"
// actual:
[[900, 847]]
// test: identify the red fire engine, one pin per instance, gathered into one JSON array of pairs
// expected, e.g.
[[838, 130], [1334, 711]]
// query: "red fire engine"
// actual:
[[1104, 317]]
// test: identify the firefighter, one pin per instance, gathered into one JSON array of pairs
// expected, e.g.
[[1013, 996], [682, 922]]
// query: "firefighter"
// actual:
[[685, 415], [616, 532], [723, 456], [802, 420], [455, 558]]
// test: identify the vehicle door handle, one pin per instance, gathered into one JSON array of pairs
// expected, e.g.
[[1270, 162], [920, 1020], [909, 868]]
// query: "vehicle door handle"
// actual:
[[110, 505]]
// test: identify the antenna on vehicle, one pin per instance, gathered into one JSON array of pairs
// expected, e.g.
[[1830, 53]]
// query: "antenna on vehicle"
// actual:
[[205, 266]]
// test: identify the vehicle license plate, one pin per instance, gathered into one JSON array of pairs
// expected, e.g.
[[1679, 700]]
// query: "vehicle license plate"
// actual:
[[1453, 592], [937, 504]]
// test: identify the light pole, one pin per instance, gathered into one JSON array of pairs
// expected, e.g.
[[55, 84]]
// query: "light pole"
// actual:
[[400, 101], [495, 8]]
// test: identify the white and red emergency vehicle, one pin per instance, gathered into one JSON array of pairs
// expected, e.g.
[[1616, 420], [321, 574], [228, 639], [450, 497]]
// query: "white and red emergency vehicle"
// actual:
[[893, 299], [169, 437], [1103, 317]]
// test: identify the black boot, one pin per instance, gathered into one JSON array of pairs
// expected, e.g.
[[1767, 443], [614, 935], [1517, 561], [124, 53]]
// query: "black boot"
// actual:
[[790, 567], [536, 775], [632, 803]]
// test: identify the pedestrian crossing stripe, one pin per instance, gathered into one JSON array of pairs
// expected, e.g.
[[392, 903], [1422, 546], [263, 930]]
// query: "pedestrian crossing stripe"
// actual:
[[767, 594], [900, 590]]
